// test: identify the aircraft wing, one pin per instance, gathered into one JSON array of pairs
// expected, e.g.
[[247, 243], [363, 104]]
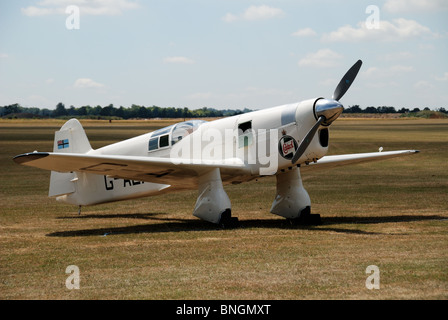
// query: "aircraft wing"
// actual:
[[346, 159], [176, 172], [151, 169]]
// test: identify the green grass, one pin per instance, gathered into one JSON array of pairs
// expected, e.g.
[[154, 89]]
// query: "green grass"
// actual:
[[393, 214]]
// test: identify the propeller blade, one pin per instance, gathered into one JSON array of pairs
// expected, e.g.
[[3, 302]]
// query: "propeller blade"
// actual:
[[307, 140], [347, 81]]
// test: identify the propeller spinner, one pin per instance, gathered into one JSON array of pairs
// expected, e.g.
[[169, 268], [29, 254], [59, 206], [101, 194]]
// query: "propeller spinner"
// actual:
[[328, 110]]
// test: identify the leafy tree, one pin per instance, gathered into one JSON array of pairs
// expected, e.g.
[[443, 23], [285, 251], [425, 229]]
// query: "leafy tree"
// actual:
[[13, 108], [45, 113], [60, 110], [72, 111], [385, 109], [108, 111], [120, 112], [353, 109], [82, 111], [371, 110]]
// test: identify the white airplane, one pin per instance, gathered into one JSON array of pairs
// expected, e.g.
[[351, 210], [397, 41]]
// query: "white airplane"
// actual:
[[202, 155]]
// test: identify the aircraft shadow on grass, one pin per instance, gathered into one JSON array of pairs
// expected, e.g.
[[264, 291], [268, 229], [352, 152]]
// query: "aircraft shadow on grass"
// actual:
[[179, 225]]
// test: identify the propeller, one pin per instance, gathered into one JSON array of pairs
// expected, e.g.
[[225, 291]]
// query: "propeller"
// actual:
[[307, 140], [328, 110], [347, 81]]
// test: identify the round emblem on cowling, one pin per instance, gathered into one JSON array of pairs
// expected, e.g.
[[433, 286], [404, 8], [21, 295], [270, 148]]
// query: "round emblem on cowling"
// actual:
[[287, 146]]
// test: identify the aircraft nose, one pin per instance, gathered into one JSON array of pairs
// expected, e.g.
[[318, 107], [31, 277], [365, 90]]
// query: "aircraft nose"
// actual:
[[329, 108]]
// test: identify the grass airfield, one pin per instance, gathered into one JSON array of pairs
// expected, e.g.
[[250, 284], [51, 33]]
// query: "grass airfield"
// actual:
[[392, 214]]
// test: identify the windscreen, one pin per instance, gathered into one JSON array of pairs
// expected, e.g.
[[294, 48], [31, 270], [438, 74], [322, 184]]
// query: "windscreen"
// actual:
[[183, 129]]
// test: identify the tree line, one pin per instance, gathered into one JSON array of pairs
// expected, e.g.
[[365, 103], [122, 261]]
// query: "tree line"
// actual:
[[111, 112], [142, 112], [388, 109]]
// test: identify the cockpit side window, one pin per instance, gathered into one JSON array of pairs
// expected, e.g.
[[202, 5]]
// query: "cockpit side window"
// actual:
[[161, 138], [245, 134], [153, 144], [164, 141]]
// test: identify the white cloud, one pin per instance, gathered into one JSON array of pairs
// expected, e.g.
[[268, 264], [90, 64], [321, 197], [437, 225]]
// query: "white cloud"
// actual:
[[229, 17], [87, 83], [254, 13], [90, 7], [262, 12], [423, 85], [371, 71], [4, 56], [181, 60], [394, 56], [443, 78], [398, 29], [386, 77], [307, 32], [245, 94], [401, 69], [397, 6], [330, 82], [381, 84], [321, 58], [32, 11], [388, 72], [426, 47]]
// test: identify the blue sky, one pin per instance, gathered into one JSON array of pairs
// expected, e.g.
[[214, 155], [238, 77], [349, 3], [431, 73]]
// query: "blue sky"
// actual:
[[222, 53]]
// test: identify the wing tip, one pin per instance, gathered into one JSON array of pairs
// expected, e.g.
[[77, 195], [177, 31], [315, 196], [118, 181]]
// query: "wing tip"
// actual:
[[401, 152], [27, 157]]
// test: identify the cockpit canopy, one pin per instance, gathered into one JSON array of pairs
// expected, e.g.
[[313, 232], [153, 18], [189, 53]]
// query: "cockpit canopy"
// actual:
[[172, 134]]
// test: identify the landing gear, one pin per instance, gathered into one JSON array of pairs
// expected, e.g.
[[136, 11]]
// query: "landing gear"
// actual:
[[292, 200], [79, 210], [306, 218], [291, 197], [213, 203], [227, 221]]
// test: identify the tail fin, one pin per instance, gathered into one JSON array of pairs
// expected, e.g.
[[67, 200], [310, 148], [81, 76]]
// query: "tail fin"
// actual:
[[71, 138]]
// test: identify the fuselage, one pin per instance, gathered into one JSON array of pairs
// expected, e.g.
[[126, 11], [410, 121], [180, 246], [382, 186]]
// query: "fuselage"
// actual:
[[264, 140]]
